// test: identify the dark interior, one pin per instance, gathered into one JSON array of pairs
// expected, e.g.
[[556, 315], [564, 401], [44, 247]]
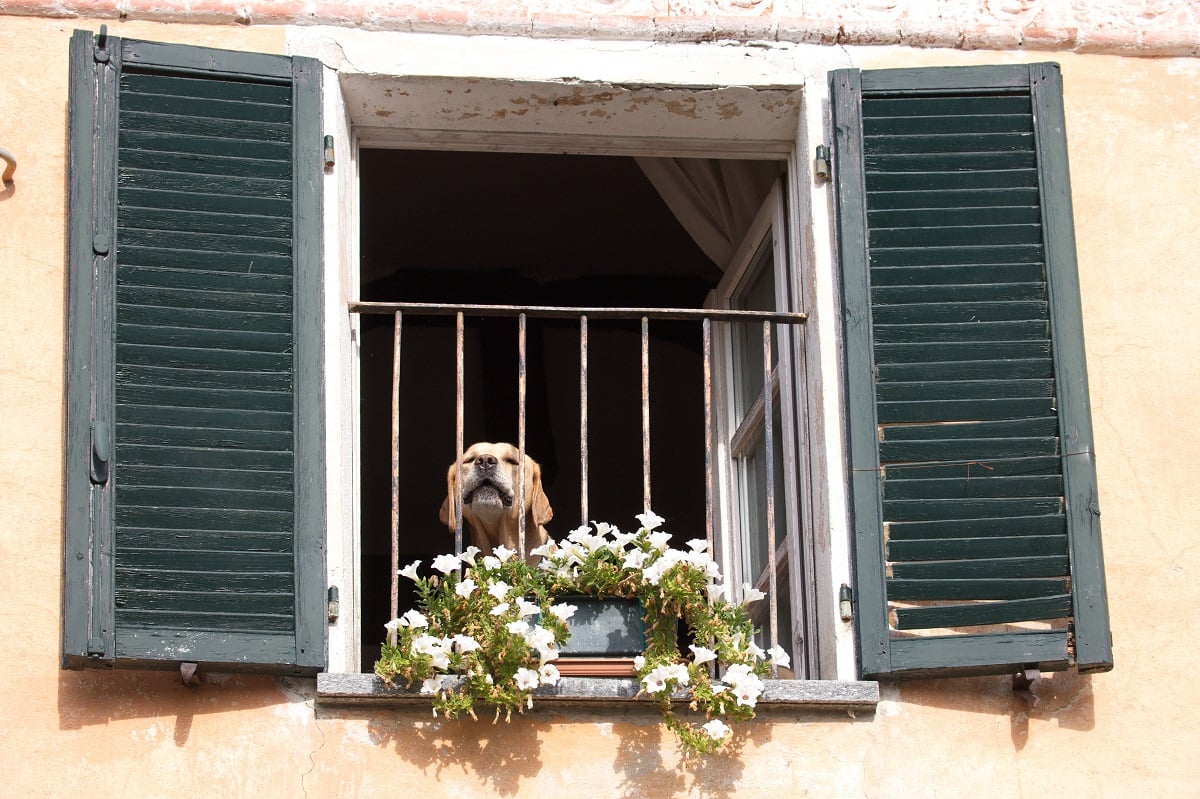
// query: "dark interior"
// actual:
[[524, 229]]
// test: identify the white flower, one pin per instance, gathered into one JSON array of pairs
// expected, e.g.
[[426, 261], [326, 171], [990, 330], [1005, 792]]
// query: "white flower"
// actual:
[[491, 562], [563, 610], [649, 520], [465, 643], [432, 685], [545, 550], [778, 657], [414, 619], [410, 571], [639, 662], [702, 654], [503, 552], [465, 588], [468, 555], [756, 650], [698, 545], [527, 679], [635, 559], [660, 540], [747, 694], [499, 610], [716, 729], [518, 627], [745, 684], [499, 589], [655, 571], [446, 563], [750, 594], [526, 608], [604, 528], [393, 625], [717, 593], [426, 644], [548, 674], [655, 681], [678, 672]]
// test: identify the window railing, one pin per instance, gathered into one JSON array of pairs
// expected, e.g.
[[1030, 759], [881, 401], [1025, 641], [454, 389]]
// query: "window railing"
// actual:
[[706, 318]]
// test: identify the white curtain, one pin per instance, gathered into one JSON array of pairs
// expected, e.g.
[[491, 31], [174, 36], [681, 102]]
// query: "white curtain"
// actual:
[[714, 199]]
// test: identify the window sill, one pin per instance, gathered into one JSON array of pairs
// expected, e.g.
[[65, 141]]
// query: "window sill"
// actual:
[[367, 689]]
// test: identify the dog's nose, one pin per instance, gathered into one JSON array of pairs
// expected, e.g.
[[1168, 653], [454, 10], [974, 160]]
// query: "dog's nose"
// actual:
[[486, 461]]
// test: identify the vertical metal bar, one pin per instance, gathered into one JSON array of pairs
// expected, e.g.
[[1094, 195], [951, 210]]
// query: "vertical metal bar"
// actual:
[[583, 418], [708, 437], [645, 413], [395, 598], [459, 336], [521, 430], [769, 457]]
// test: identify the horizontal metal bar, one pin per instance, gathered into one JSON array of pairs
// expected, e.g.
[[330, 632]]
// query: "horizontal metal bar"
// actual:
[[567, 312]]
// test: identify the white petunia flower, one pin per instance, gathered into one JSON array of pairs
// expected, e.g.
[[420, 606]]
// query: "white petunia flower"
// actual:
[[518, 627], [563, 610], [716, 729], [717, 593], [698, 545], [446, 563], [491, 562], [465, 643], [432, 685], [527, 679], [750, 594], [649, 520], [702, 654], [468, 555], [639, 662], [465, 588], [548, 674], [499, 610], [546, 550], [678, 672], [777, 657], [635, 559], [503, 553], [660, 540], [414, 619], [410, 571], [499, 589], [526, 608], [393, 625]]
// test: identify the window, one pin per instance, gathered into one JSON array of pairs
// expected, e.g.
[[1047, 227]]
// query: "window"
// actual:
[[195, 459]]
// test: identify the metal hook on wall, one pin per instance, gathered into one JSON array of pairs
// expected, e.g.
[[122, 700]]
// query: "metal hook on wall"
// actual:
[[10, 167]]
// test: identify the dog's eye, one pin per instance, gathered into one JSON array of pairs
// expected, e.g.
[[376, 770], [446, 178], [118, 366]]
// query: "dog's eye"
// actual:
[[469, 459], [511, 461]]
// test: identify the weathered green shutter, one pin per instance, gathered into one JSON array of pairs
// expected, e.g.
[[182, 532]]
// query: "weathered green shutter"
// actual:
[[194, 490], [976, 526]]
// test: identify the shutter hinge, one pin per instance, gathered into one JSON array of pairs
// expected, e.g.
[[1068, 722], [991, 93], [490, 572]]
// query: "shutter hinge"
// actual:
[[329, 159], [821, 163], [846, 603], [100, 54], [95, 647], [335, 607]]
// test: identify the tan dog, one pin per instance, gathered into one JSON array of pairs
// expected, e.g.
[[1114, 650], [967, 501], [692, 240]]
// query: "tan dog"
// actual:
[[491, 512]]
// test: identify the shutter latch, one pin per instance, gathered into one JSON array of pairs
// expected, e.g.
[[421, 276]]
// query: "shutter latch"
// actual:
[[100, 54], [335, 606], [101, 452], [821, 163]]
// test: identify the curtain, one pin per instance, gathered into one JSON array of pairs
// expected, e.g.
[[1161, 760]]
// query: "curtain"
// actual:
[[714, 199]]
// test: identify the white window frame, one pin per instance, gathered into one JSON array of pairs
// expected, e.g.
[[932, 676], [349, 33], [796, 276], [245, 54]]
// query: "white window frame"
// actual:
[[816, 499]]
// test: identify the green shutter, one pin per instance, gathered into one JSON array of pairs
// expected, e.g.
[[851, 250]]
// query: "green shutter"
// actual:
[[195, 520], [976, 526]]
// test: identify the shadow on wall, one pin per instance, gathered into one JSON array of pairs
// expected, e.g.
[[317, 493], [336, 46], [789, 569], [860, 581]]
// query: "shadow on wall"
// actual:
[[88, 698], [1065, 698], [502, 756]]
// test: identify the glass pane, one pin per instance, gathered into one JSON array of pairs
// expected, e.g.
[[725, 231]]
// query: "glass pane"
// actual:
[[754, 534], [757, 293], [784, 627]]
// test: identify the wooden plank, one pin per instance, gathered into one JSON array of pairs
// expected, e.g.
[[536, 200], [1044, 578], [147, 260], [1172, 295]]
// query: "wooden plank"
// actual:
[[943, 181], [206, 318], [241, 399], [976, 236], [973, 548], [220, 582], [976, 486], [149, 162], [202, 457], [999, 612], [997, 568], [214, 562], [1010, 330], [902, 391], [1004, 291], [159, 276], [202, 603], [1049, 524], [187, 142], [261, 479], [1023, 369], [905, 197], [190, 620], [963, 410], [181, 240], [183, 85], [206, 359], [279, 542], [212, 417], [1005, 141], [238, 340], [943, 124], [219, 498], [232, 186], [969, 450], [1003, 588], [953, 256], [921, 510], [192, 221], [1034, 427], [145, 197], [960, 312], [925, 105], [961, 351], [205, 437]]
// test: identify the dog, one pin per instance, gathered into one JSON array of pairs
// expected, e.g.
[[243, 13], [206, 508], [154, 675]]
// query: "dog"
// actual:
[[490, 510]]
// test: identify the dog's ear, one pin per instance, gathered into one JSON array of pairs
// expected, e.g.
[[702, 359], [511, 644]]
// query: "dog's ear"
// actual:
[[446, 514], [539, 503]]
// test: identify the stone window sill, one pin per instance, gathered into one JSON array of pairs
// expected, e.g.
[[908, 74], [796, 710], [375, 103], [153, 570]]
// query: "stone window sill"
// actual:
[[367, 689]]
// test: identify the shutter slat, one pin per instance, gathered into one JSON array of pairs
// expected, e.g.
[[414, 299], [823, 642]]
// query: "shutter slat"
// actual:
[[1050, 566], [923, 510], [963, 410], [1015, 610], [957, 487], [1006, 588], [1050, 524], [974, 548], [203, 457], [200, 581], [188, 619], [204, 602]]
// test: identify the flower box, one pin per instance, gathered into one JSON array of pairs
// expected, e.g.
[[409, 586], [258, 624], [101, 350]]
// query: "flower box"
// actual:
[[606, 634]]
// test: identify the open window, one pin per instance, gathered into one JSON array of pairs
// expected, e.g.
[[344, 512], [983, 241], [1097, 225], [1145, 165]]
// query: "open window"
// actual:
[[572, 231]]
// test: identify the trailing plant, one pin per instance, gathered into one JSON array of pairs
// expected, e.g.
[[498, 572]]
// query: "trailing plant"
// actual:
[[488, 629]]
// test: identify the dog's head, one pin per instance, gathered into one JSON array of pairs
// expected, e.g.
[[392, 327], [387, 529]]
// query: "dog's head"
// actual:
[[491, 479]]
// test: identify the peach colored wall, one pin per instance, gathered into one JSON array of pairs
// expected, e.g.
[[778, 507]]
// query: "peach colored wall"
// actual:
[[1133, 126]]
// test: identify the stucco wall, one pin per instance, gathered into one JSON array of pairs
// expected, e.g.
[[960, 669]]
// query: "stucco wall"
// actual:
[[1132, 124]]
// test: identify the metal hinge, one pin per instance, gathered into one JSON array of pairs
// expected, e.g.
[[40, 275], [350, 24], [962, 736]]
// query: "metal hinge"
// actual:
[[329, 159], [335, 607], [100, 53], [821, 163], [846, 603]]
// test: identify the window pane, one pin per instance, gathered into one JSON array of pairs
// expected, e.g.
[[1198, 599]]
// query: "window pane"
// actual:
[[757, 293], [754, 535]]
